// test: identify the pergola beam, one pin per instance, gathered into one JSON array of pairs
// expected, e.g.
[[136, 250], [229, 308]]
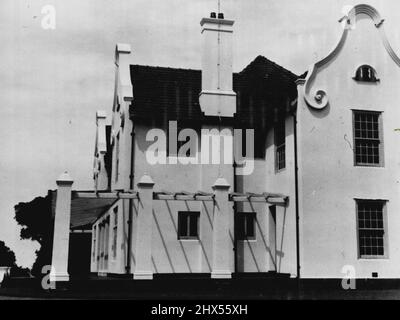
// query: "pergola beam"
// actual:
[[183, 196], [105, 195], [272, 198]]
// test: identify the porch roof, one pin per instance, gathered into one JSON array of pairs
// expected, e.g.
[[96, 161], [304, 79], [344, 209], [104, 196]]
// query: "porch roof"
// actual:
[[84, 211]]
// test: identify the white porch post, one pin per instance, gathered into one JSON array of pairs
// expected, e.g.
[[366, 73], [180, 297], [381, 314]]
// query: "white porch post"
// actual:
[[59, 262], [222, 244], [143, 266]]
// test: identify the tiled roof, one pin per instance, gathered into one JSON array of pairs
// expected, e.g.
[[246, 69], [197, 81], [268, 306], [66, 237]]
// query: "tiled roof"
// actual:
[[84, 212], [168, 93], [262, 87], [274, 73]]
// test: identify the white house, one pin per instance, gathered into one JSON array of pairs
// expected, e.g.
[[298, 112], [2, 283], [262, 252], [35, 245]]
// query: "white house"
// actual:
[[319, 193], [349, 166]]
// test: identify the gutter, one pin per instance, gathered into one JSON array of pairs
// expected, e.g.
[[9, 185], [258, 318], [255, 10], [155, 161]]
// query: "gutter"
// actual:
[[128, 254], [235, 242], [296, 177]]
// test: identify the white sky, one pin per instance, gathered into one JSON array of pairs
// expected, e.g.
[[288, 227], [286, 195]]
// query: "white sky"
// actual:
[[53, 81]]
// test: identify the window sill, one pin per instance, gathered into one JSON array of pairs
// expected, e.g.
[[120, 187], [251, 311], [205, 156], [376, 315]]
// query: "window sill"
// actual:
[[370, 166], [372, 258], [247, 240], [189, 239], [373, 81]]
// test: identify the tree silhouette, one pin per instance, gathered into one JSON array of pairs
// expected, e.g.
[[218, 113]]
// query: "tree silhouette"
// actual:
[[7, 259], [7, 256], [35, 218]]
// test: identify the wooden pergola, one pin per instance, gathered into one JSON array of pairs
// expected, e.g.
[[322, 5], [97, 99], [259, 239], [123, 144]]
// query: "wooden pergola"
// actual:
[[272, 198], [145, 193]]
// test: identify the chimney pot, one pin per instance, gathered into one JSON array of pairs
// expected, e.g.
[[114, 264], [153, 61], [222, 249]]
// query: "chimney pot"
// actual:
[[220, 15], [213, 15]]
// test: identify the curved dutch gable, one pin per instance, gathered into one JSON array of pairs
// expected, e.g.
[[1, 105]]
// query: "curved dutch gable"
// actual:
[[318, 98]]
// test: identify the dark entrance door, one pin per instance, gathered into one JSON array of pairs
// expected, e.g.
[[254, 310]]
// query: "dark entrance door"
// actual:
[[79, 254]]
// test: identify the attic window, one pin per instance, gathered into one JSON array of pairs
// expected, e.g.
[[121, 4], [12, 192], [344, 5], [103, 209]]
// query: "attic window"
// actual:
[[366, 73]]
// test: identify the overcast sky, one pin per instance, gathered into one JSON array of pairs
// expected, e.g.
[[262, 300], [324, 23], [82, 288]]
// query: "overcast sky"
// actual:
[[53, 81]]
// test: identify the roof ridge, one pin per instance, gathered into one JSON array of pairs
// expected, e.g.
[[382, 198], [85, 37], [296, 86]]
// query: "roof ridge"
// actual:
[[259, 57], [171, 68], [164, 68]]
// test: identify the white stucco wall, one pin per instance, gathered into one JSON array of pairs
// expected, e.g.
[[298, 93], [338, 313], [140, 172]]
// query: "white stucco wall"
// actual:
[[253, 255], [170, 255], [121, 182], [99, 169], [116, 264], [284, 182], [329, 181]]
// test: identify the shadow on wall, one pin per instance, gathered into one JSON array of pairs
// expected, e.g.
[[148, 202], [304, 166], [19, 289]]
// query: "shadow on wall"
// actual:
[[280, 253], [320, 114], [275, 259], [210, 222], [175, 253], [249, 245], [240, 249], [171, 253], [166, 251]]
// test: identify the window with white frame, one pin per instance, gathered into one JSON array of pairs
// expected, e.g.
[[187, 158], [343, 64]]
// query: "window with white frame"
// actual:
[[245, 225], [106, 242], [188, 225], [280, 146], [115, 233], [94, 244], [366, 73], [99, 243], [371, 222], [368, 147]]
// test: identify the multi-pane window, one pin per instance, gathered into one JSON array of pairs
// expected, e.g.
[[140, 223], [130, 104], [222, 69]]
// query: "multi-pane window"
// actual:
[[188, 222], [99, 243], [371, 228], [105, 243], [245, 225], [94, 244], [107, 239], [367, 138], [280, 148], [115, 233]]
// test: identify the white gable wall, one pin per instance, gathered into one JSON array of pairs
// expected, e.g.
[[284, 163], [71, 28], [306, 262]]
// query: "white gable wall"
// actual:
[[329, 181]]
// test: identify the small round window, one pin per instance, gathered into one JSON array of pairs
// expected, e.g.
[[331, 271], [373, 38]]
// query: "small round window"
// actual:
[[366, 73]]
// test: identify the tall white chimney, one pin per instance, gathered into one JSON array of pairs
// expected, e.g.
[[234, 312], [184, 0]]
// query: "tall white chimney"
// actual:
[[217, 97]]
